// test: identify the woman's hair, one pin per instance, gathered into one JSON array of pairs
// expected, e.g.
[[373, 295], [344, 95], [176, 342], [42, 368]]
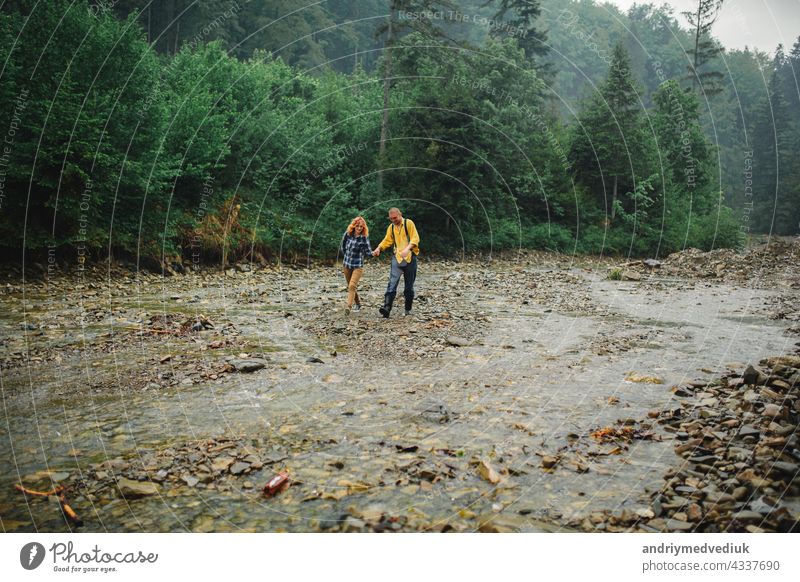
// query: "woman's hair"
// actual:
[[352, 228]]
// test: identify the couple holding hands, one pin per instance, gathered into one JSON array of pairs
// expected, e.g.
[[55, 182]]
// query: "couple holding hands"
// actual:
[[402, 236]]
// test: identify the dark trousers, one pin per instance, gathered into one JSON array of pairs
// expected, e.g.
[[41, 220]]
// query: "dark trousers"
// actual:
[[409, 274]]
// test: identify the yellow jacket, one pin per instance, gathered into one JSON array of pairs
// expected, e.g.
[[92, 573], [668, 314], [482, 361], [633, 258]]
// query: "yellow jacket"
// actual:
[[398, 234]]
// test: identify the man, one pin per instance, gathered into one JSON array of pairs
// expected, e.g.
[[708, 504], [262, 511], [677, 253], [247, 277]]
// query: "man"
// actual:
[[402, 235]]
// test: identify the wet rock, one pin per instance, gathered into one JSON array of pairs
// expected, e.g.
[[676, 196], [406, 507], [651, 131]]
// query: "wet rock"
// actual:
[[748, 516], [784, 467], [221, 464], [677, 525], [134, 489], [643, 379], [740, 493], [694, 512], [749, 430], [248, 365], [238, 468], [487, 472], [548, 461], [752, 375], [190, 480], [792, 361], [353, 524], [499, 523]]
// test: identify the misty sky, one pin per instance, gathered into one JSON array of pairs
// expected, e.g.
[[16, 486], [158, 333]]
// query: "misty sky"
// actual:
[[755, 23]]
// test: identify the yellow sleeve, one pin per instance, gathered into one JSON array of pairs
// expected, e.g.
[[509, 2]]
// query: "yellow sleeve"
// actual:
[[388, 240], [412, 232]]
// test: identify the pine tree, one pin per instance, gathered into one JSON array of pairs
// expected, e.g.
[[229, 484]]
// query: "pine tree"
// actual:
[[775, 190], [609, 144], [706, 49], [533, 40], [397, 23]]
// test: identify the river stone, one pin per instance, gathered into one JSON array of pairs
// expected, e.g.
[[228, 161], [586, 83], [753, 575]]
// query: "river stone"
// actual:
[[791, 361], [190, 480], [677, 525], [748, 430], [353, 524], [740, 493], [499, 523], [221, 464], [133, 489], [753, 375], [457, 341], [784, 467], [629, 275], [238, 468], [248, 365], [746, 515]]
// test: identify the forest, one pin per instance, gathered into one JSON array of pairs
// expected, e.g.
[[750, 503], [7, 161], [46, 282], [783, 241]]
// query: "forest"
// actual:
[[192, 132]]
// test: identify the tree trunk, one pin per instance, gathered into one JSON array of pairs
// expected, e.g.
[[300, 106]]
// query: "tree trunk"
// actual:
[[614, 199], [387, 72], [695, 80]]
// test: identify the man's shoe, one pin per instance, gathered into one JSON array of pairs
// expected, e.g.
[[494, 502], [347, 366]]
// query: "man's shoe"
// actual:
[[408, 312], [386, 309], [409, 303], [357, 307]]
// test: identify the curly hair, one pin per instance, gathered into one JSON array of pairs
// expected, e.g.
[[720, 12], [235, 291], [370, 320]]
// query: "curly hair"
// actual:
[[352, 227]]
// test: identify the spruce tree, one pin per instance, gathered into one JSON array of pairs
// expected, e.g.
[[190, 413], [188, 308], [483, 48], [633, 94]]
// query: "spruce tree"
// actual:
[[610, 149], [775, 191], [704, 79], [524, 15]]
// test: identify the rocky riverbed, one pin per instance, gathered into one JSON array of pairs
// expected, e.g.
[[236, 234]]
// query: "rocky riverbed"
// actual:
[[538, 392]]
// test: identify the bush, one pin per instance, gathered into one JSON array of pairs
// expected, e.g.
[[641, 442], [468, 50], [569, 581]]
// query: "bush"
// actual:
[[551, 237]]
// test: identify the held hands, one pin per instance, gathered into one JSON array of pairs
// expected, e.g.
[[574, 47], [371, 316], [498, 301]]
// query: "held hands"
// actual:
[[376, 252]]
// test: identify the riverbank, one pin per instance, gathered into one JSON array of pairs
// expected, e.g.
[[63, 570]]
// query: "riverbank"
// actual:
[[166, 403]]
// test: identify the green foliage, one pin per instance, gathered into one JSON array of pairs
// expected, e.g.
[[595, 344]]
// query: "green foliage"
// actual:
[[207, 146], [776, 169], [79, 83], [705, 49], [610, 148]]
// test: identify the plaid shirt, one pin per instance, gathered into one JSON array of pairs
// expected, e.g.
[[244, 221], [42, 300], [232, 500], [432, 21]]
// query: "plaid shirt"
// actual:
[[355, 248]]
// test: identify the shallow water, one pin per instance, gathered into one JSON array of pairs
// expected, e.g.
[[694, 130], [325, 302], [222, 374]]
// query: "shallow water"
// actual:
[[538, 378]]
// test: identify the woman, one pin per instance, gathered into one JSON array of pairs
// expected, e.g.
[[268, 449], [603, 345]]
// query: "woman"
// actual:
[[355, 246]]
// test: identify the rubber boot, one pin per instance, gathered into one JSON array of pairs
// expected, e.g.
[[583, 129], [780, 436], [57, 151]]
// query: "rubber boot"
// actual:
[[387, 305]]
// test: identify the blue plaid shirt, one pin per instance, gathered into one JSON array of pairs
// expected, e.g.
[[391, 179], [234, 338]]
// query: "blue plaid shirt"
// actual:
[[355, 248]]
